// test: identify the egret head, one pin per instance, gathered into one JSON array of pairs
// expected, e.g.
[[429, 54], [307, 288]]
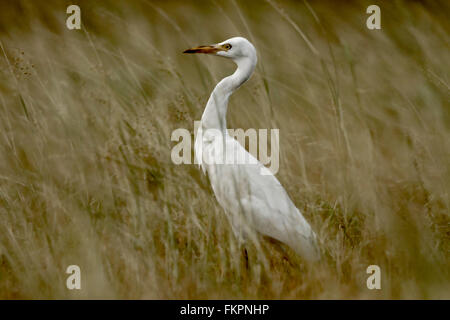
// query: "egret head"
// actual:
[[236, 48]]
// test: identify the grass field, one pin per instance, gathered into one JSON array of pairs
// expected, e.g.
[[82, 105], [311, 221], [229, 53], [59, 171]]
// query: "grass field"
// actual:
[[86, 176]]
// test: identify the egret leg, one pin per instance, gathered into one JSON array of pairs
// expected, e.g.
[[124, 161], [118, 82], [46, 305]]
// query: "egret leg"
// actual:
[[244, 265], [245, 253]]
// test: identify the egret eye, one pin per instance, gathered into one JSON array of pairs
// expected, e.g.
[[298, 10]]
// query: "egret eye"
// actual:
[[227, 46]]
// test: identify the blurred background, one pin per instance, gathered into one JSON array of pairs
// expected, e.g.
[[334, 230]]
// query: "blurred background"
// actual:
[[86, 176]]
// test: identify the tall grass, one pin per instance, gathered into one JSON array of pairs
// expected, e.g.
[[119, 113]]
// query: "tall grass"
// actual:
[[86, 176]]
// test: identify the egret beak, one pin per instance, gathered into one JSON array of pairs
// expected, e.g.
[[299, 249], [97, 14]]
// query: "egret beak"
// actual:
[[204, 49]]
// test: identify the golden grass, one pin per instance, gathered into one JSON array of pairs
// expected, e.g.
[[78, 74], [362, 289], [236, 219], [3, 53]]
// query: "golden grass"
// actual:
[[85, 170]]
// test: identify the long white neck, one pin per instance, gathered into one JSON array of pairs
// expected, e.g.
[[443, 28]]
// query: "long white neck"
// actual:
[[215, 114]]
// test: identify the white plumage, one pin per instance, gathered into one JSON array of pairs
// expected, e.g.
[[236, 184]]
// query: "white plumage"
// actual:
[[250, 194]]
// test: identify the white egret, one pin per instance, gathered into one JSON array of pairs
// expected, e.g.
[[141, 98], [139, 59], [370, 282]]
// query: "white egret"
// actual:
[[250, 194]]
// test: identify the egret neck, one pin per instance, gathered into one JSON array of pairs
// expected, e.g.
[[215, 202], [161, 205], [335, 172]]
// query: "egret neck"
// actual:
[[215, 114]]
